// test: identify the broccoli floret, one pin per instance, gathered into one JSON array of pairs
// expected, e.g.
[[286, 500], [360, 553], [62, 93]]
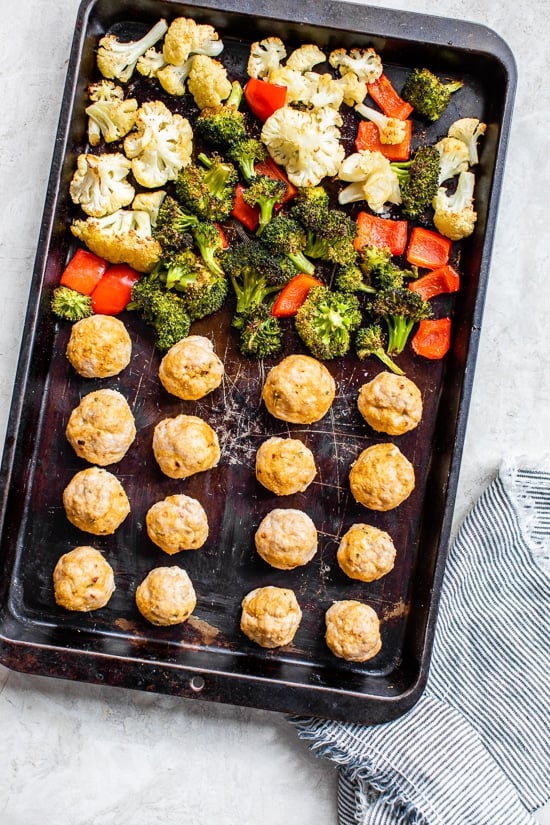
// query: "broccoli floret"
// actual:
[[208, 192], [400, 309], [265, 192], [175, 226], [351, 278], [418, 180], [310, 206], [378, 264], [428, 94], [326, 320], [70, 305], [284, 236], [162, 309], [254, 275], [202, 291], [330, 233], [261, 335], [246, 152], [370, 341], [223, 125]]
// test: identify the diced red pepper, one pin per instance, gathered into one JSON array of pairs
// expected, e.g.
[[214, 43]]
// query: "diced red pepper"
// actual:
[[439, 281], [292, 296], [264, 98], [84, 271], [432, 339], [269, 167], [381, 232], [113, 292], [368, 137], [385, 96], [248, 215], [428, 248]]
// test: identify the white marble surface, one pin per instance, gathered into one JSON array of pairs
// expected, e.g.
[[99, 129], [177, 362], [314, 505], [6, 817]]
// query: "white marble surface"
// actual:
[[71, 754]]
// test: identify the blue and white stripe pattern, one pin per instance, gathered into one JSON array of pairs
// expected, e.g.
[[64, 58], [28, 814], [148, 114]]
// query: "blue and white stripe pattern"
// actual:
[[475, 749]]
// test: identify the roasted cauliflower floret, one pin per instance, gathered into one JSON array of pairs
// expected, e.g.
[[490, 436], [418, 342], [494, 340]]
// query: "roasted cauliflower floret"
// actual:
[[305, 143], [160, 146], [391, 130], [110, 117], [453, 157], [186, 37], [121, 237], [99, 183], [149, 202], [454, 214], [469, 130], [371, 178], [304, 58], [208, 81], [354, 90], [117, 59], [149, 63], [365, 63], [265, 56]]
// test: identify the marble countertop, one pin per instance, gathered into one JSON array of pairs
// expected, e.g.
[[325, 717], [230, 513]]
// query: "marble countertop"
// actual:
[[74, 754]]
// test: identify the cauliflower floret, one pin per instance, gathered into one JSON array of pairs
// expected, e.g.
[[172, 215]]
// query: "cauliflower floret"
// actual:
[[454, 215], [149, 202], [99, 183], [110, 119], [297, 86], [150, 63], [161, 145], [324, 90], [122, 237], [468, 129], [390, 129], [354, 90], [208, 81], [105, 90], [365, 63], [186, 37], [265, 56], [305, 143], [454, 157], [117, 59], [305, 58], [372, 179], [173, 78]]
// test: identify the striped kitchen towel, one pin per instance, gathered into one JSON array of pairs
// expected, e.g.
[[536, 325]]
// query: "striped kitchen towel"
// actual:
[[475, 749]]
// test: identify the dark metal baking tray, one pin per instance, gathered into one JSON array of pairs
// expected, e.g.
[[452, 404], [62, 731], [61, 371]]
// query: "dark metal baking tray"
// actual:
[[208, 657]]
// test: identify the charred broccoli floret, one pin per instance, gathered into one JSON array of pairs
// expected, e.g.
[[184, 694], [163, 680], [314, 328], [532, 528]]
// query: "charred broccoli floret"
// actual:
[[428, 94], [223, 125], [203, 291], [285, 236], [261, 335], [264, 192], [208, 190], [400, 309], [326, 320], [371, 341], [254, 275], [329, 232], [378, 264], [70, 305], [418, 180], [162, 309], [175, 227], [246, 152], [352, 278]]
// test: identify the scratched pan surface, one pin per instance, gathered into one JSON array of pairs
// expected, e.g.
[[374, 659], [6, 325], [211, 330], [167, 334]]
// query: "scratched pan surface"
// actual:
[[208, 657]]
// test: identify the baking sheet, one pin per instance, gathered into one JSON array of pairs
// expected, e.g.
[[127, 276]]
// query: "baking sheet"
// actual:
[[209, 657]]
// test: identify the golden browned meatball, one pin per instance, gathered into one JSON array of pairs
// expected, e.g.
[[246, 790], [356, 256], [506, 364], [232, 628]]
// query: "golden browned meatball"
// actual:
[[177, 523], [83, 580], [99, 346], [390, 403], [95, 501], [166, 596], [299, 389], [353, 630], [270, 616], [285, 465], [101, 428], [191, 369], [286, 538], [366, 553], [185, 445], [381, 478]]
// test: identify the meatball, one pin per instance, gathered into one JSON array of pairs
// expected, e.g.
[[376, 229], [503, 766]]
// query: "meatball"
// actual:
[[191, 369], [99, 346], [366, 553], [101, 428], [285, 465], [353, 630], [177, 523], [286, 538], [83, 580], [95, 501], [381, 478], [299, 389], [270, 616], [166, 596], [185, 445], [390, 403]]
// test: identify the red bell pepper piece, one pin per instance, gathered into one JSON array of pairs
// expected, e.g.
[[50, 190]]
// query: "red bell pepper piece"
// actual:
[[428, 248], [437, 282], [381, 232], [293, 294], [264, 98], [384, 94], [248, 215], [113, 292], [432, 339], [84, 271], [368, 137], [269, 167]]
